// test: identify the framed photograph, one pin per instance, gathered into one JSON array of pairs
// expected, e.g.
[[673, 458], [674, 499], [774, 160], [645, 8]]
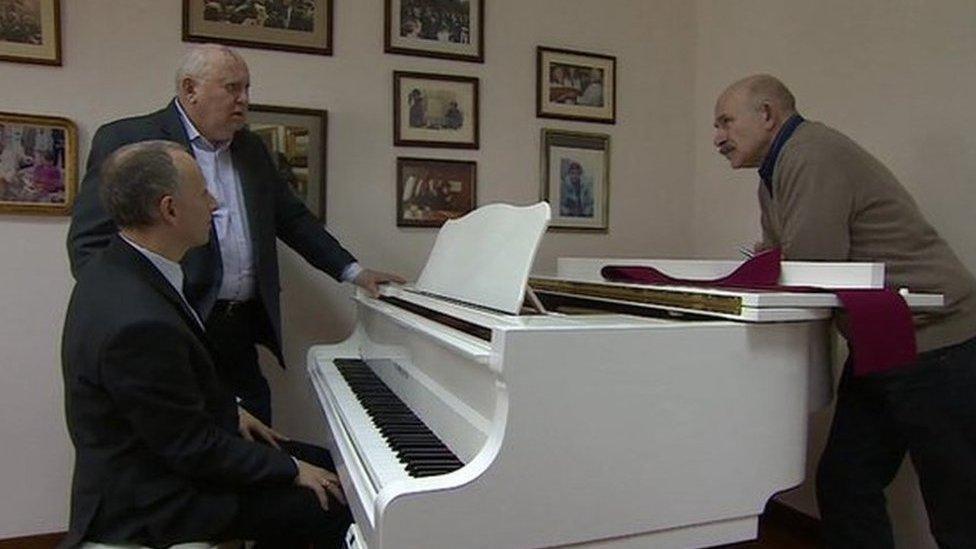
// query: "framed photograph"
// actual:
[[296, 139], [576, 179], [575, 85], [38, 164], [303, 26], [429, 191], [435, 110], [449, 29], [30, 31]]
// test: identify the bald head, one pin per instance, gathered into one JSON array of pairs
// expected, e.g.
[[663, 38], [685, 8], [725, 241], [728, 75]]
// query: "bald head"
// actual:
[[760, 89], [213, 84], [748, 115]]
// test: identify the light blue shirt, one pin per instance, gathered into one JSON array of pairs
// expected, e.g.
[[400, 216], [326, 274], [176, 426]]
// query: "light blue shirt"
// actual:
[[170, 270], [230, 218]]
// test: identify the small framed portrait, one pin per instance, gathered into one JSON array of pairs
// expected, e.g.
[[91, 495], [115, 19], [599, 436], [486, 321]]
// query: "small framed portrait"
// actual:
[[576, 179], [575, 85], [296, 139], [30, 31], [38, 164], [303, 26], [449, 29], [430, 191], [435, 110]]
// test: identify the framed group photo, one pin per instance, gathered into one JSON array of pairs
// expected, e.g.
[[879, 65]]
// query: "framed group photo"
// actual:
[[435, 110], [576, 179], [303, 26], [448, 29], [431, 191], [297, 141], [30, 31], [38, 164], [575, 85]]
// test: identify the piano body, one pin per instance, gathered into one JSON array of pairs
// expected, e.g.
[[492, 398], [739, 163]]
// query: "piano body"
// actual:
[[457, 422]]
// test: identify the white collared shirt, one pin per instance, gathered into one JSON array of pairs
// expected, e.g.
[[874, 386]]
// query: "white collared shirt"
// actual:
[[170, 270], [230, 217]]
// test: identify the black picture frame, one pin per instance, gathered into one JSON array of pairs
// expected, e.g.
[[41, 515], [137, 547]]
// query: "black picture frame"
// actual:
[[435, 110]]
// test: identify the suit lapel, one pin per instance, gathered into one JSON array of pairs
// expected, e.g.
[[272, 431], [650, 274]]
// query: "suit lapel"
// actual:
[[250, 186], [148, 272], [171, 126]]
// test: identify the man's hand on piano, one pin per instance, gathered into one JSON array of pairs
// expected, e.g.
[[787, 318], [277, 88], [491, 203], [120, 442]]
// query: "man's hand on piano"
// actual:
[[370, 280], [251, 428], [319, 480]]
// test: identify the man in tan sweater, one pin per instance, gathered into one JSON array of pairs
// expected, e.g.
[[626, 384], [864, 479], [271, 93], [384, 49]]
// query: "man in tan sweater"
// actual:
[[823, 197]]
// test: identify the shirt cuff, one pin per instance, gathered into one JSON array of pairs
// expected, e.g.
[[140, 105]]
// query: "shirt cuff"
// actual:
[[350, 272]]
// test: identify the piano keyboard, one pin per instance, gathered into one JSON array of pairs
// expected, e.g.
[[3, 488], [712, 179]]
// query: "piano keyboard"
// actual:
[[417, 449]]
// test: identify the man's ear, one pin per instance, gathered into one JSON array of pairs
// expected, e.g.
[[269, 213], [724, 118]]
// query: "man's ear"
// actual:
[[766, 112], [188, 89], [167, 209]]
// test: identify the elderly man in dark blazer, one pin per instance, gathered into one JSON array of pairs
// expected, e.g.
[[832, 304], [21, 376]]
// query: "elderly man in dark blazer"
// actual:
[[232, 282], [159, 456]]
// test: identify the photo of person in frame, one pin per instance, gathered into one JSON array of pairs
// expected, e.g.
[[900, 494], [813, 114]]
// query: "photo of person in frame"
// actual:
[[20, 21], [575, 190], [576, 85], [32, 164], [296, 15], [441, 20]]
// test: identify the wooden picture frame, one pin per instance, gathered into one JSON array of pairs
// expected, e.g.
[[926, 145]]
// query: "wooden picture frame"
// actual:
[[304, 26], [446, 29], [435, 110], [297, 139], [432, 190], [38, 164], [576, 85], [36, 35], [575, 174]]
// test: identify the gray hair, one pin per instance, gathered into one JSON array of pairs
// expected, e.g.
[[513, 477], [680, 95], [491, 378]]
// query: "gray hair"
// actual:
[[135, 178], [199, 62]]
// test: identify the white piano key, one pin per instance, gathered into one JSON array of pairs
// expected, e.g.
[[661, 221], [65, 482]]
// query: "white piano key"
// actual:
[[381, 462]]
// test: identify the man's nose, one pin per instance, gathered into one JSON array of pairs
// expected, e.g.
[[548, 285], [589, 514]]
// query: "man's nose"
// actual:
[[718, 138]]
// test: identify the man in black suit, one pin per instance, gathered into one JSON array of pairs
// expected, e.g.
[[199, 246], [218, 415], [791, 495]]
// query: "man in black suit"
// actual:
[[159, 457], [232, 283]]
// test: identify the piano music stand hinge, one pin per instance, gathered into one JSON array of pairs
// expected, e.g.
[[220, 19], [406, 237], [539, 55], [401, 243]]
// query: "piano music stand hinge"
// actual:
[[534, 299]]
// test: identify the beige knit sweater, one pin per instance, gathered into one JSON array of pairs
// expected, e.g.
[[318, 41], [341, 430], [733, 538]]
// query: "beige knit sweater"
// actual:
[[832, 201]]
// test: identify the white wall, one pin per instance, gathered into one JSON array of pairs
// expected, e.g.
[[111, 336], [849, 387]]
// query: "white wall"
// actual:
[[898, 77], [119, 56]]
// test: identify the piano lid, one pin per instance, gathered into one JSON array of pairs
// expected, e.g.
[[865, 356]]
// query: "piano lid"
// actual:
[[484, 257]]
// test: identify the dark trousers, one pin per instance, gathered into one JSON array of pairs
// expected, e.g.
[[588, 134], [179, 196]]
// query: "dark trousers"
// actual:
[[233, 329], [927, 410], [288, 517]]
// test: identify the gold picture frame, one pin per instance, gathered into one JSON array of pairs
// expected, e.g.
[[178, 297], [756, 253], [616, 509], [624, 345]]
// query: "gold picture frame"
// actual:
[[38, 164]]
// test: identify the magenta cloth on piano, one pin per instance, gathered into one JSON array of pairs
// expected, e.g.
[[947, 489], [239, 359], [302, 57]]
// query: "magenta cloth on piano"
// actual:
[[881, 334]]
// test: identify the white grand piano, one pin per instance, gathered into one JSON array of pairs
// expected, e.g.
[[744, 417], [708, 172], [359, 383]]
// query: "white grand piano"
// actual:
[[624, 416]]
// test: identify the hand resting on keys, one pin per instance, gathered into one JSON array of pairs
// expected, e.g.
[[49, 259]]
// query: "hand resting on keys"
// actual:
[[370, 280], [319, 480]]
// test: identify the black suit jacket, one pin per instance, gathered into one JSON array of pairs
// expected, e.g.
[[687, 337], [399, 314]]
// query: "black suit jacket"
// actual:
[[158, 458], [273, 211]]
